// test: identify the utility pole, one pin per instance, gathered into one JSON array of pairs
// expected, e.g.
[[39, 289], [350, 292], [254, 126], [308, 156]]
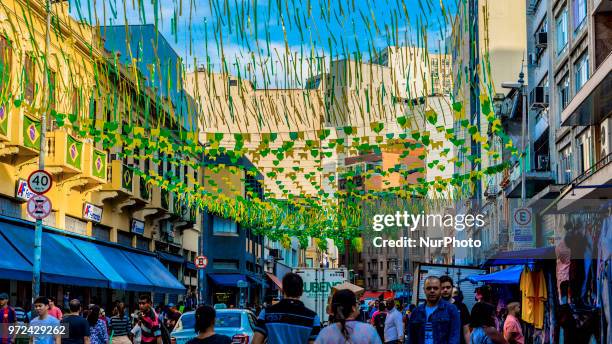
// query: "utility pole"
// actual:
[[523, 89], [41, 160]]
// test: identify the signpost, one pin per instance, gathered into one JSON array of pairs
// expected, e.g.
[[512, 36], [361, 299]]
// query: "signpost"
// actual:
[[522, 229], [39, 207], [201, 262], [40, 181]]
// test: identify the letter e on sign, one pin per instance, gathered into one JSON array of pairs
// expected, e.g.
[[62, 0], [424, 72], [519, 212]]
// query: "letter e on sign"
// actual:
[[40, 181]]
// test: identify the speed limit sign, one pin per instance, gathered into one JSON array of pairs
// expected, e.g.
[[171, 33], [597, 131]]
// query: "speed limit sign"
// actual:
[[40, 181]]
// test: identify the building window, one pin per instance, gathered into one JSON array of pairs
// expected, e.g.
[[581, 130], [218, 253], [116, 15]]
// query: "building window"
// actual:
[[581, 71], [143, 243], [565, 165], [564, 94], [29, 83], [561, 27], [222, 264], [101, 232], [5, 62], [124, 238], [224, 226], [580, 13]]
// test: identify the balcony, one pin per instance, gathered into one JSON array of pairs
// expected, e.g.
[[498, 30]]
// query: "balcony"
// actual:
[[95, 169], [535, 182], [64, 153], [19, 135], [594, 101], [592, 184], [121, 179]]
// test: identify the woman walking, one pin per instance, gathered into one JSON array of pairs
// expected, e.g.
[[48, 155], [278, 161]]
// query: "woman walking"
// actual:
[[97, 327], [483, 325], [120, 325], [347, 329]]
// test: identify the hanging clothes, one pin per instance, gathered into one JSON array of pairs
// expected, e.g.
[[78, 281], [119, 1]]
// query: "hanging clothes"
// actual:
[[534, 294]]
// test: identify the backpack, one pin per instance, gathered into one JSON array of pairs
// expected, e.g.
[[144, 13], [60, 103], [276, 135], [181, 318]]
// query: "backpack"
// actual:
[[379, 323]]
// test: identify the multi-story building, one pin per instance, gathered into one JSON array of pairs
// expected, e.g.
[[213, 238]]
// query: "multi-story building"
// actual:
[[571, 62], [105, 220]]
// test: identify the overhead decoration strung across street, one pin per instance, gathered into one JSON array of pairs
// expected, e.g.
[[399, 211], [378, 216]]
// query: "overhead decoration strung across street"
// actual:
[[298, 88]]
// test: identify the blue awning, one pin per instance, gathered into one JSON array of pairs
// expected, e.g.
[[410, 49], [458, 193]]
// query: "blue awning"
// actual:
[[113, 264], [162, 280], [508, 276], [258, 280], [13, 265], [61, 262], [227, 280], [170, 257], [522, 256]]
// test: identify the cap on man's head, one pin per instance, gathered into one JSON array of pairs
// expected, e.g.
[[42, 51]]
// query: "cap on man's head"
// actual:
[[4, 296]]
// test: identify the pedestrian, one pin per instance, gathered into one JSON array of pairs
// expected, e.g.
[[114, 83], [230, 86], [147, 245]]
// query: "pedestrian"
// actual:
[[483, 325], [373, 310], [97, 327], [8, 316], [120, 325], [394, 326], [20, 313], [41, 305], [464, 315], [149, 322], [347, 329], [205, 328], [436, 314], [513, 332], [136, 331], [288, 321], [378, 319], [76, 325], [54, 310]]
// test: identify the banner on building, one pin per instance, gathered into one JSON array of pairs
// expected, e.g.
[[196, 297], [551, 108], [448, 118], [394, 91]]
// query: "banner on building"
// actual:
[[92, 213], [138, 227], [22, 191]]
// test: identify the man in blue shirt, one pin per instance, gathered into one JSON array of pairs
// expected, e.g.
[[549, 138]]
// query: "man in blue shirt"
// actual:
[[288, 321], [436, 321], [44, 320]]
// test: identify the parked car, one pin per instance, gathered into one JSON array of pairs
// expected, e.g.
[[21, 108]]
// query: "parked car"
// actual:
[[238, 324]]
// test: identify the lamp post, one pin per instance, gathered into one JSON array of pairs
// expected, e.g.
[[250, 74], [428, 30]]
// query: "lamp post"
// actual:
[[41, 160]]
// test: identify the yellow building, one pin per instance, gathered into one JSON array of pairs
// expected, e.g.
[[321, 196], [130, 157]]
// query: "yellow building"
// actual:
[[96, 193]]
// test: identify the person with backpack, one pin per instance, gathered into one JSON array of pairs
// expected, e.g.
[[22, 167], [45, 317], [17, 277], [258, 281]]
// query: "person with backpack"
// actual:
[[378, 320]]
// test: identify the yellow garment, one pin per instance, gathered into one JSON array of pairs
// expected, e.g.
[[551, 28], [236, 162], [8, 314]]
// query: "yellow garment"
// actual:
[[534, 293]]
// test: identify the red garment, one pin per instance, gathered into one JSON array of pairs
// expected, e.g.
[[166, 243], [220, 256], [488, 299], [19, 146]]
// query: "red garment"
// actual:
[[512, 325], [56, 313]]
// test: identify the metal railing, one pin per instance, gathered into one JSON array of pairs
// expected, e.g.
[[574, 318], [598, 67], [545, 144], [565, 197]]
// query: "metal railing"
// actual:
[[605, 161]]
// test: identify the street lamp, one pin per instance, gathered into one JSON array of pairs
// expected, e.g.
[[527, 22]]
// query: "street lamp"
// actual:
[[522, 89]]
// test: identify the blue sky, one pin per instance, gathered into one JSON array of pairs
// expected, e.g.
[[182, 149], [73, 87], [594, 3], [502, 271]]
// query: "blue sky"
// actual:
[[281, 37]]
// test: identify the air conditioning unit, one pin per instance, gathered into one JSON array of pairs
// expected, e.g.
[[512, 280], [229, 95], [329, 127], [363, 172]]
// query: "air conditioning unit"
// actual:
[[605, 137], [541, 39], [538, 97], [542, 163]]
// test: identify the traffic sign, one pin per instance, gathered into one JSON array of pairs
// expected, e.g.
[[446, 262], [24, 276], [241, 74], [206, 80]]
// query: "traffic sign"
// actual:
[[522, 216], [39, 207], [408, 278], [40, 181], [201, 262]]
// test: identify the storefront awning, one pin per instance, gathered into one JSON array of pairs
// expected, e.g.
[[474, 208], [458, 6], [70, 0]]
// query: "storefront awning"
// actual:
[[61, 262], [510, 275], [13, 266], [277, 282], [227, 280], [169, 257], [162, 280], [521, 257], [114, 265]]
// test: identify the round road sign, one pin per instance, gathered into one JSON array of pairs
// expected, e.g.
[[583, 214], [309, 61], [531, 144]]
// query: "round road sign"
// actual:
[[39, 207], [40, 181], [522, 216], [201, 262]]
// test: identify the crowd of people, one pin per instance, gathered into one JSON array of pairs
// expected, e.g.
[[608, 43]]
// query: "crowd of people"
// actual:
[[442, 318]]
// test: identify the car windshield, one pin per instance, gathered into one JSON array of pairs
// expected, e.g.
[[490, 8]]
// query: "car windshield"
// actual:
[[228, 320]]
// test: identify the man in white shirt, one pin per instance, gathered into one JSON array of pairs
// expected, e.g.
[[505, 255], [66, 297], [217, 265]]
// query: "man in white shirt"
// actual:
[[394, 326]]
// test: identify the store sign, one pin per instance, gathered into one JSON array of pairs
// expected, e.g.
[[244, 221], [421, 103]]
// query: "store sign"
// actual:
[[138, 227], [22, 191], [92, 213]]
